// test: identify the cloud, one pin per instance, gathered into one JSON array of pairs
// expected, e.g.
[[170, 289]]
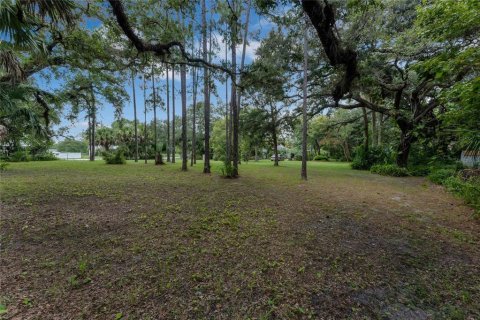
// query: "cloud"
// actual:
[[251, 49], [80, 124]]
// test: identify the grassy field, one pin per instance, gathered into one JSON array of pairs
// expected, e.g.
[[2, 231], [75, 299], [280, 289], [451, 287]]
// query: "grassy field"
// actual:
[[83, 240]]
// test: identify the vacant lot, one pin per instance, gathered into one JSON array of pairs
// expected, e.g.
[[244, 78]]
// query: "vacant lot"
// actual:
[[88, 240]]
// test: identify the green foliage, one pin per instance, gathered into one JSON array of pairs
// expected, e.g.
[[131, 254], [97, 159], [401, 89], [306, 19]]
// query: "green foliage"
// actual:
[[469, 190], [71, 145], [419, 170], [227, 170], [19, 156], [321, 157], [116, 157], [440, 175], [364, 160], [44, 156], [3, 165], [389, 170]]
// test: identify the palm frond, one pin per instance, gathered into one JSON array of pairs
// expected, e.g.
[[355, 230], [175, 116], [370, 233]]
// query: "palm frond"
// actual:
[[11, 66]]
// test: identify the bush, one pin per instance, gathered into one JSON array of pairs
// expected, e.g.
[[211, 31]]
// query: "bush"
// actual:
[[469, 190], [114, 158], [321, 157], [364, 160], [227, 170], [440, 175], [389, 170], [3, 165], [19, 156], [419, 170], [46, 156]]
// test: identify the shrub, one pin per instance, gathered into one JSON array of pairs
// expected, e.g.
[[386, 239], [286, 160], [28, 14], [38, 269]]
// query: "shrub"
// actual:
[[389, 170], [440, 175], [46, 156], [114, 158], [321, 157], [19, 156], [419, 170], [469, 190], [3, 165], [227, 170], [364, 160]]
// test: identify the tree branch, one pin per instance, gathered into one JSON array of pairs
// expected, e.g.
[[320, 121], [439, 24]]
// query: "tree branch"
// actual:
[[322, 17], [160, 49]]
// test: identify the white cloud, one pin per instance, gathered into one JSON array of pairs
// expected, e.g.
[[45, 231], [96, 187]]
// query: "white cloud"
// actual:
[[80, 124], [251, 49]]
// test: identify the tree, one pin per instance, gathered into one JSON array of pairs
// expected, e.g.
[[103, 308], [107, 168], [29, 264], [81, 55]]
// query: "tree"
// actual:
[[304, 108], [206, 92], [71, 145], [135, 115]]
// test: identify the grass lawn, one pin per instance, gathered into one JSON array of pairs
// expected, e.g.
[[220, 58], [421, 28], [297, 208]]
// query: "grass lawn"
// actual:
[[93, 241]]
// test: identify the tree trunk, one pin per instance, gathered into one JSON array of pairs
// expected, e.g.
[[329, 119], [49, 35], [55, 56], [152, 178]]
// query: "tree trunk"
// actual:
[[227, 111], [183, 79], [173, 114], [135, 116], [304, 107], [233, 96], [206, 84], [89, 116], [145, 123], [346, 150], [374, 128], [365, 128], [274, 134], [157, 156], [193, 159], [380, 130], [403, 149], [168, 115], [244, 50], [256, 153], [94, 123]]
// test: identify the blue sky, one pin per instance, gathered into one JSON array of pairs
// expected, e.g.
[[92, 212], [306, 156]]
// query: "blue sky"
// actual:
[[258, 25]]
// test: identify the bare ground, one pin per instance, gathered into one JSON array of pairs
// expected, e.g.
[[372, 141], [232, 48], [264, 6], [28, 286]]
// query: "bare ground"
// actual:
[[83, 240]]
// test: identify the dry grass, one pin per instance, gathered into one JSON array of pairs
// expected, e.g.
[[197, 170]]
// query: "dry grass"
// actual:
[[88, 240]]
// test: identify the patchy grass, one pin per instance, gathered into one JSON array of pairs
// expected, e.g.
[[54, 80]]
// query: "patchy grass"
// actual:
[[88, 240]]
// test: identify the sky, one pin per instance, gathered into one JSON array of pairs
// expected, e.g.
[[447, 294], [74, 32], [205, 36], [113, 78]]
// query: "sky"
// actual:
[[258, 25]]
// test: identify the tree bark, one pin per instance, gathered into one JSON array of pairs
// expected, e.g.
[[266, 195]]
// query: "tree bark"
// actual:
[[168, 115], [403, 150], [274, 134], [244, 50], [183, 76], [304, 107], [233, 95], [193, 159], [94, 123], [374, 128], [135, 116], [173, 114], [227, 112], [380, 129], [157, 155], [365, 128], [322, 16], [206, 84], [89, 116], [145, 114]]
